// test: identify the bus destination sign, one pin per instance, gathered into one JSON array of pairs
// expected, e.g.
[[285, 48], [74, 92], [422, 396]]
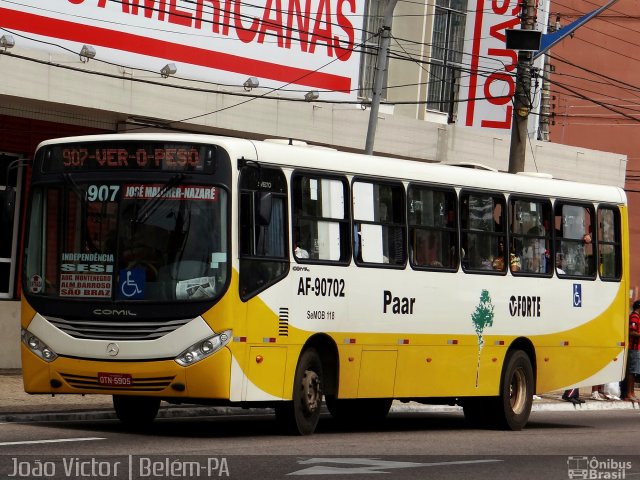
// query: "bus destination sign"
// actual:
[[130, 156]]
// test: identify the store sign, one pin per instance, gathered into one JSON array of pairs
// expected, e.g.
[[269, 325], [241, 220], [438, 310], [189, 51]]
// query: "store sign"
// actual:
[[304, 44], [490, 85]]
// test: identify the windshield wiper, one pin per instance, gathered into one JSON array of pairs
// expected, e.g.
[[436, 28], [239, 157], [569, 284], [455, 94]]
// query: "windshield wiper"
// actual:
[[151, 206], [82, 194], [68, 179]]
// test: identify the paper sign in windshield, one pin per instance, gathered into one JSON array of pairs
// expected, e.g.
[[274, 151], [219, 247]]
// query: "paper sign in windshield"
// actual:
[[196, 288], [85, 285]]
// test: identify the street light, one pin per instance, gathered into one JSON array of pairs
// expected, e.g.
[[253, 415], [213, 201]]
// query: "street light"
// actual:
[[168, 69], [87, 53], [7, 42], [250, 83], [311, 96]]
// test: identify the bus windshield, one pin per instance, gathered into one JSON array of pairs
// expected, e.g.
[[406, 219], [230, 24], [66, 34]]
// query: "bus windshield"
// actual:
[[149, 242]]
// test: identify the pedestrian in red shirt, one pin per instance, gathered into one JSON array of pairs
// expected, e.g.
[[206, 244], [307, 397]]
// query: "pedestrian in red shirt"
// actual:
[[633, 360]]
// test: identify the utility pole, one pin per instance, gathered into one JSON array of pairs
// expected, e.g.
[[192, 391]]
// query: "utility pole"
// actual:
[[381, 67], [521, 100]]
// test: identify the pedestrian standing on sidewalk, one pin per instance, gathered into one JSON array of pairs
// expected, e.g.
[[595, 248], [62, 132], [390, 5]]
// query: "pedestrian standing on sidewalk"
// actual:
[[633, 360], [597, 392], [572, 395]]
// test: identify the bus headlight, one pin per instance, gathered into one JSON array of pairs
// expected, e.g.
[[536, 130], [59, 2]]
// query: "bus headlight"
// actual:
[[203, 349], [37, 346]]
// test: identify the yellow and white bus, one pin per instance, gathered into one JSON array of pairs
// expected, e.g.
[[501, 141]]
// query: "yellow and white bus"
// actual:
[[203, 269]]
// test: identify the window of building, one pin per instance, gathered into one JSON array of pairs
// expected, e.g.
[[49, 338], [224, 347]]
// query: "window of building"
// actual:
[[320, 218], [446, 56], [374, 17], [379, 223], [9, 219], [609, 246], [433, 234], [530, 240], [482, 220], [263, 229], [575, 254]]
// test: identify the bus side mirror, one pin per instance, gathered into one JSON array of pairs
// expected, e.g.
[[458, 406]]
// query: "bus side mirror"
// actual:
[[8, 197], [264, 202]]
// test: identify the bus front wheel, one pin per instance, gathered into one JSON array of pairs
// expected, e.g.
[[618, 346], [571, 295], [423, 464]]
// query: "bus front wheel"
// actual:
[[513, 406], [136, 411], [300, 416]]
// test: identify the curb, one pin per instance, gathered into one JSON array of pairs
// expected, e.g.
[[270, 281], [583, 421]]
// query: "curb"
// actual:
[[538, 406], [107, 413]]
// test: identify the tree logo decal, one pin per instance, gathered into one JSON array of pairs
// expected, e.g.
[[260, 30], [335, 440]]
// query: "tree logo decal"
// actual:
[[482, 318]]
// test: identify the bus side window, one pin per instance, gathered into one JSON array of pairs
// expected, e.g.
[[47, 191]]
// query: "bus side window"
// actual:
[[433, 236], [609, 244], [575, 253], [483, 234], [379, 223], [262, 234], [320, 218], [530, 240]]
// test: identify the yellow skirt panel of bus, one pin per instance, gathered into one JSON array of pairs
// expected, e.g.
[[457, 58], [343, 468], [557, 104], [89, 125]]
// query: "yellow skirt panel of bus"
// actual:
[[206, 379], [426, 365]]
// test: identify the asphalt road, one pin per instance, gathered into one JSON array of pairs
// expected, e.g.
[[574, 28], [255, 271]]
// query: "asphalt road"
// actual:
[[585, 444]]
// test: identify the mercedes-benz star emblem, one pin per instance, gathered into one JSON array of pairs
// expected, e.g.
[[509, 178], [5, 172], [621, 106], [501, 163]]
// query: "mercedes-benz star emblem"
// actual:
[[113, 349]]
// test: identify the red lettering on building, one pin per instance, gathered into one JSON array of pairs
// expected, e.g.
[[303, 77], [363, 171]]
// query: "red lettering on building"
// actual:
[[322, 35], [499, 84], [272, 23], [179, 17], [301, 17], [295, 24], [343, 53], [245, 34]]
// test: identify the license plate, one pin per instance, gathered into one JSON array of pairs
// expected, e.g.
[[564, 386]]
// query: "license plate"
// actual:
[[114, 379]]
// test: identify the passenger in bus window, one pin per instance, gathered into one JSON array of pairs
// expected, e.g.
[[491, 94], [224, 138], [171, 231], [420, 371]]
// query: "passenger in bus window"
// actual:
[[357, 242], [498, 261], [533, 253], [589, 260], [300, 252], [480, 252], [428, 249], [560, 264], [515, 263], [486, 264]]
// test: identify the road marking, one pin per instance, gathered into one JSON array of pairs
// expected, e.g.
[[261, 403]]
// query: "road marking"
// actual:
[[55, 440], [368, 465]]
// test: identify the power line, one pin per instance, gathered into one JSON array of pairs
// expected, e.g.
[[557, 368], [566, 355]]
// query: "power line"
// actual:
[[602, 104], [593, 72]]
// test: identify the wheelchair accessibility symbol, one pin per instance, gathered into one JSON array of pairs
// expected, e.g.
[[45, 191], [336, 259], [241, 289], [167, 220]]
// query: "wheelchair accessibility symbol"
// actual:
[[577, 295], [132, 283]]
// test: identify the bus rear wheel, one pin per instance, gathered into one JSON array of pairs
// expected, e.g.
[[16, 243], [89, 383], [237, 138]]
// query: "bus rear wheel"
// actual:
[[512, 407], [300, 416], [136, 411]]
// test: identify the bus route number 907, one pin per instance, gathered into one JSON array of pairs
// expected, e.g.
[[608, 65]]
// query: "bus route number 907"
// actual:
[[321, 287]]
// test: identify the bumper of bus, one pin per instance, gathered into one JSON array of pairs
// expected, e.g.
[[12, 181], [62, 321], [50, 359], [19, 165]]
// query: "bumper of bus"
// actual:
[[208, 379]]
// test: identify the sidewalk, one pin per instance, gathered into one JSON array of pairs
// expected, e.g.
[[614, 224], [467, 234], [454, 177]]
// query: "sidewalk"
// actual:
[[18, 406]]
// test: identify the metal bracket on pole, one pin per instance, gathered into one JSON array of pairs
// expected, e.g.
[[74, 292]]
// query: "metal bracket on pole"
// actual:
[[550, 39]]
